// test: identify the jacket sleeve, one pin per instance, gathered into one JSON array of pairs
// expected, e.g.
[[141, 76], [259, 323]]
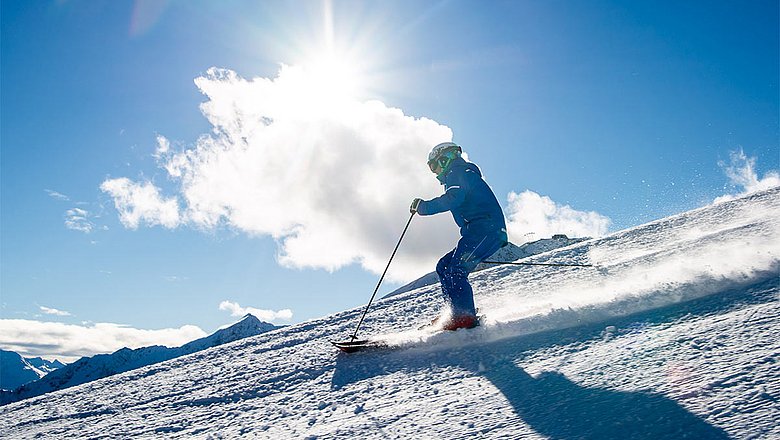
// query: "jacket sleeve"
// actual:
[[457, 188]]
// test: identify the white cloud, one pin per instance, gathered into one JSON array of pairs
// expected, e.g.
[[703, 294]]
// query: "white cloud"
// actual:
[[77, 219], [742, 175], [163, 146], [235, 309], [141, 202], [531, 216], [329, 177], [57, 196], [51, 311], [69, 342]]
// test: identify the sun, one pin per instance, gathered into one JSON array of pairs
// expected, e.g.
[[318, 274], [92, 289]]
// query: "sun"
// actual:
[[334, 76], [322, 85], [332, 67]]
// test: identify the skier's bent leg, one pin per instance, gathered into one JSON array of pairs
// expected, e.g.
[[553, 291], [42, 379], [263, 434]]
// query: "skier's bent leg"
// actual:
[[441, 270], [467, 255], [460, 292]]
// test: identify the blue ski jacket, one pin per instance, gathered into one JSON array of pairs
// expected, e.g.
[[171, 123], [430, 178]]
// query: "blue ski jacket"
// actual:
[[469, 198]]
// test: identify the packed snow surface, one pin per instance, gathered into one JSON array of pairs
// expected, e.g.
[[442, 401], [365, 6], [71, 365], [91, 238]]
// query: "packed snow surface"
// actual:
[[675, 335]]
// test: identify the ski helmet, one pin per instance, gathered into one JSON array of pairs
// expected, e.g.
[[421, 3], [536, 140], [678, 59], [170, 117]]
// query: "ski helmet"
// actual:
[[441, 156]]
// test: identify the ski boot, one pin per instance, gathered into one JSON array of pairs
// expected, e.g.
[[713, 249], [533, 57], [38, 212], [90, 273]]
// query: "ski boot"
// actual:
[[448, 322], [459, 322]]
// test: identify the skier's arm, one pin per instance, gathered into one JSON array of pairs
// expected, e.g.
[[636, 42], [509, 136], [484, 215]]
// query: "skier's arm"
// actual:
[[452, 198]]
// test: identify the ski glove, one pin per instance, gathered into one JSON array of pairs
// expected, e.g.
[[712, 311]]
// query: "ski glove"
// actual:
[[415, 204]]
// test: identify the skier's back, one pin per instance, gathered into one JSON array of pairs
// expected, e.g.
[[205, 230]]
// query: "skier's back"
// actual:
[[482, 228]]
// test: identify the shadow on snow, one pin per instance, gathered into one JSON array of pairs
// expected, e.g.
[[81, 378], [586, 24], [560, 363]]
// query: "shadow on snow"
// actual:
[[558, 408]]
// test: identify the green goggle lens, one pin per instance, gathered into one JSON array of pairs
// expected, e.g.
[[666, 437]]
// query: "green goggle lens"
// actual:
[[437, 166]]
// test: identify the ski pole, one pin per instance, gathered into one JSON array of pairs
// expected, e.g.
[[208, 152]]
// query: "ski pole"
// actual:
[[539, 264], [354, 335]]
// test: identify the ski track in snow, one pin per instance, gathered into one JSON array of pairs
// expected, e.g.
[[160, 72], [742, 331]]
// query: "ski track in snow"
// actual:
[[676, 335]]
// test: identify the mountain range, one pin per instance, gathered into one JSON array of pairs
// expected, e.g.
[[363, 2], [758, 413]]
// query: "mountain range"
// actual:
[[88, 369]]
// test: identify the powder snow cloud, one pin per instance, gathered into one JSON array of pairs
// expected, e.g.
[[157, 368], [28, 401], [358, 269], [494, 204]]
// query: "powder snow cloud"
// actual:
[[742, 175]]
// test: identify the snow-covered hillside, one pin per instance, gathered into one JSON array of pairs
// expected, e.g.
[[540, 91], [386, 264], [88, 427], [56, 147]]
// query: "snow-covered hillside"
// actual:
[[677, 335]]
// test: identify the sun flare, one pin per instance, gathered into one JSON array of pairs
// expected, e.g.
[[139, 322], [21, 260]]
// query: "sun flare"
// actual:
[[334, 76]]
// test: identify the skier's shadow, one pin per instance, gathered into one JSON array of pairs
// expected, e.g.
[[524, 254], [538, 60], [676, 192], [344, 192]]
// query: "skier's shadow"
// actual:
[[554, 406], [551, 404]]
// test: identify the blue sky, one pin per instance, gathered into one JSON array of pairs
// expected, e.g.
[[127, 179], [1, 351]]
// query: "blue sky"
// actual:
[[622, 110]]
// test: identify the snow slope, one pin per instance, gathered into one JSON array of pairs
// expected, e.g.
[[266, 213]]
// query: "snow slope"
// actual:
[[676, 336]]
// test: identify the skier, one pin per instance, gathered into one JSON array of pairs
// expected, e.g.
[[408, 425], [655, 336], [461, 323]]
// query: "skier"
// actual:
[[482, 229]]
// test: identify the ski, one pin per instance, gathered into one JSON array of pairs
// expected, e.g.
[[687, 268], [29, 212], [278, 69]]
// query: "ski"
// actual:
[[360, 345], [432, 328]]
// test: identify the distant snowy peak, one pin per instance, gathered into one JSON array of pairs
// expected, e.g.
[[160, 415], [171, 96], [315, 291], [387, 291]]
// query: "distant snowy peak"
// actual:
[[16, 370], [99, 366], [248, 326], [44, 365], [509, 253]]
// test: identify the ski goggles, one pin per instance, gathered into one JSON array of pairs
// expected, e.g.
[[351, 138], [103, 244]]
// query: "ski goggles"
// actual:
[[437, 165]]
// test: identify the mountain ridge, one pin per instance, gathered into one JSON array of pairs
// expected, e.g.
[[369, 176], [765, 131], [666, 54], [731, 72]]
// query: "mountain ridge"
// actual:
[[88, 369]]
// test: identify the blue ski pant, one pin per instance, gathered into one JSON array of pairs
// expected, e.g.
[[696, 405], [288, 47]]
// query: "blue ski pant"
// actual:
[[454, 268]]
